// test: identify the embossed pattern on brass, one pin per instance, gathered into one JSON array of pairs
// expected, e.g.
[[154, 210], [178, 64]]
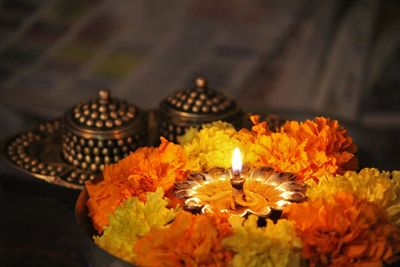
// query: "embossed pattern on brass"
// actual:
[[37, 152], [96, 132], [74, 149], [102, 131], [195, 106]]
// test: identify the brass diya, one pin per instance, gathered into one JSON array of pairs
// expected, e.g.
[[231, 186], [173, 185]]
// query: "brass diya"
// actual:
[[255, 191], [195, 106], [74, 149]]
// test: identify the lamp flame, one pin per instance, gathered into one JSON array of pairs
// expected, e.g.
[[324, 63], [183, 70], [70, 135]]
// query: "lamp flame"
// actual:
[[236, 161]]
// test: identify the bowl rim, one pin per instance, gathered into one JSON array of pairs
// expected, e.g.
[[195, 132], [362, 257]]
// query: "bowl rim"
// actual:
[[86, 227]]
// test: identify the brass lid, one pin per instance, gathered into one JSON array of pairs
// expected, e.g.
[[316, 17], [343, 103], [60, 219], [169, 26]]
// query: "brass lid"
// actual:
[[199, 103], [103, 118]]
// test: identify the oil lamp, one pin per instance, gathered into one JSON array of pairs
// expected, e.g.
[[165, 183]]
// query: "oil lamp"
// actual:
[[240, 190], [237, 179]]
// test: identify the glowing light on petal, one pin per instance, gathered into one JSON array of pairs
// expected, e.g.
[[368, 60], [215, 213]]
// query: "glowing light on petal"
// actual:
[[282, 203]]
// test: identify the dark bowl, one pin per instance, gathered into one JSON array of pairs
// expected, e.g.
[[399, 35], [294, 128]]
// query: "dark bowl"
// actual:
[[97, 257]]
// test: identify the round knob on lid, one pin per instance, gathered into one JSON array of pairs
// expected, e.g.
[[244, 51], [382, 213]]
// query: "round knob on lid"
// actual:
[[104, 95], [200, 82]]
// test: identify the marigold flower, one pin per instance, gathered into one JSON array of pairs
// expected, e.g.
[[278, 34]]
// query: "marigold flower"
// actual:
[[325, 135], [369, 184], [309, 149], [211, 146], [190, 240], [258, 129], [346, 231], [275, 245], [104, 198], [140, 172], [281, 152], [134, 219], [396, 176]]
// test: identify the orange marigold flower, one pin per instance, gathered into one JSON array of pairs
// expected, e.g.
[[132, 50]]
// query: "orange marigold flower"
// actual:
[[325, 135], [346, 231], [282, 152], [259, 128], [191, 240], [309, 149], [104, 198], [140, 172], [285, 154]]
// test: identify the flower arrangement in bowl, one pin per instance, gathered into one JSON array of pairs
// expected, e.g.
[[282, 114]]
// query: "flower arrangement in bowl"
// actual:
[[183, 205]]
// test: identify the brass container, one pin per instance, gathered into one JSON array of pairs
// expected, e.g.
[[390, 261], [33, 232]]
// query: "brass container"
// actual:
[[74, 149], [101, 131], [193, 107]]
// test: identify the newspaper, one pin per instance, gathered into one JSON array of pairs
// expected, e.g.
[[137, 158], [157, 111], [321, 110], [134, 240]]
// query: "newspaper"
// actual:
[[298, 56]]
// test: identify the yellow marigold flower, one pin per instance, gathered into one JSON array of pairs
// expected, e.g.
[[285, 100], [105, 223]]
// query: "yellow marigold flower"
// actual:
[[396, 178], [369, 184], [210, 146], [270, 246], [394, 209], [132, 220]]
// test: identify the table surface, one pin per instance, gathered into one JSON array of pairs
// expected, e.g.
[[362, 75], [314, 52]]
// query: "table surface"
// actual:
[[37, 223]]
